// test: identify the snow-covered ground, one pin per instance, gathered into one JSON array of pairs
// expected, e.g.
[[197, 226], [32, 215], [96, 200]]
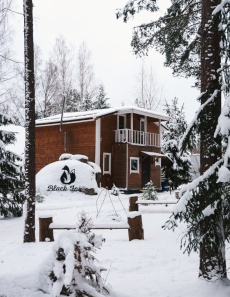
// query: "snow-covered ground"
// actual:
[[151, 267]]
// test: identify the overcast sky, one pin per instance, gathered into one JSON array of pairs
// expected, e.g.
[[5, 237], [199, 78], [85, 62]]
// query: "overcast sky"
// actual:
[[94, 22]]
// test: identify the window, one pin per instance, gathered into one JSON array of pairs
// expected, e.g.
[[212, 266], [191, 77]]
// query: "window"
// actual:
[[134, 165], [106, 163], [142, 125], [121, 122]]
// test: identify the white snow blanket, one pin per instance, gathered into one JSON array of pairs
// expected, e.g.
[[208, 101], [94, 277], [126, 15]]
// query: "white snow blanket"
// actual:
[[66, 176]]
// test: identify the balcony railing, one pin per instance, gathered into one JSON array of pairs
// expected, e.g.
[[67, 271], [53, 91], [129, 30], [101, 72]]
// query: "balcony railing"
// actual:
[[137, 137]]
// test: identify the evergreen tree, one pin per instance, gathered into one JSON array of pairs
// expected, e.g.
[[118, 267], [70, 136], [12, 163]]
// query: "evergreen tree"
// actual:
[[175, 127], [149, 191], [11, 175], [75, 272], [194, 36], [87, 103], [73, 101], [101, 99]]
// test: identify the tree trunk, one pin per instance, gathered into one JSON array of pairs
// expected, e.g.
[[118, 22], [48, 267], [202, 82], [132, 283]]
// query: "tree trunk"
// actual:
[[135, 228], [29, 233], [133, 206], [45, 233], [212, 248]]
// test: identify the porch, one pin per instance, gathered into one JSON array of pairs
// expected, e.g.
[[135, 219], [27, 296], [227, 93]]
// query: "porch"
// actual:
[[137, 137]]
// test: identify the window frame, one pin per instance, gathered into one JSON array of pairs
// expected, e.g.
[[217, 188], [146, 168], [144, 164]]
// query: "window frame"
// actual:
[[124, 121], [106, 171], [138, 165], [142, 125]]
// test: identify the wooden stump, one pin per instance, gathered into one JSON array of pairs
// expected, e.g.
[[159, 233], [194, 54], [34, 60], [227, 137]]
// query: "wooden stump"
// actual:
[[135, 227], [133, 206], [45, 233]]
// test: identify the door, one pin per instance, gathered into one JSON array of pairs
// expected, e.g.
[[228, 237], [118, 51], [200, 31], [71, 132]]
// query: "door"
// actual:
[[145, 170], [122, 131], [121, 122]]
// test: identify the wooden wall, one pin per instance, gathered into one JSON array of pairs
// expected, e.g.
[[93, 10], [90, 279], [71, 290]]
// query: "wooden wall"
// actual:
[[135, 179], [108, 127], [119, 164], [80, 139]]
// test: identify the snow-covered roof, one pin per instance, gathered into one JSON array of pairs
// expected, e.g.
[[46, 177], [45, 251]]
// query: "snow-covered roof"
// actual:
[[70, 117], [153, 154]]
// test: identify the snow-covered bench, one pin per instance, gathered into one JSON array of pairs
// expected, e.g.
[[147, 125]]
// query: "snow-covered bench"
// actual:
[[134, 227], [56, 226], [166, 202], [134, 203]]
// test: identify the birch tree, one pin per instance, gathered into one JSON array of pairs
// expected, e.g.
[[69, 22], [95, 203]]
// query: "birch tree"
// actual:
[[49, 89], [149, 92], [5, 34], [7, 63], [63, 59], [29, 233], [194, 37], [85, 73]]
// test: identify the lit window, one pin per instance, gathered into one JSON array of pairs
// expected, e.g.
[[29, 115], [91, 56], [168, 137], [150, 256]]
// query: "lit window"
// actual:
[[134, 165], [106, 163]]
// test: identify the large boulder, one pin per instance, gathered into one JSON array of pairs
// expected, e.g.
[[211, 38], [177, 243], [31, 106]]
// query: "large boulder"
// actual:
[[69, 174]]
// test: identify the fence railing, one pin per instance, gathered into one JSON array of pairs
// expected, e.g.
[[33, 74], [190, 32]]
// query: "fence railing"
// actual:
[[137, 137]]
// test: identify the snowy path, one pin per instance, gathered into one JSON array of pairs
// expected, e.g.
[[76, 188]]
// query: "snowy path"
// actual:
[[151, 267]]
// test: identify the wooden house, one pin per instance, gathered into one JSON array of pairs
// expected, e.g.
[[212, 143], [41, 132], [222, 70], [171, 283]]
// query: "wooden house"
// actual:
[[125, 142]]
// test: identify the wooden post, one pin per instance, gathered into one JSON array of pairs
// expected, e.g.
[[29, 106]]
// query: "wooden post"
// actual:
[[135, 226], [45, 233], [133, 206]]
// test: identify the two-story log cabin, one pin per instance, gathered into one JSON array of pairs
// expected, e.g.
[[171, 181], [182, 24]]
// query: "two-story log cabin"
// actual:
[[125, 142]]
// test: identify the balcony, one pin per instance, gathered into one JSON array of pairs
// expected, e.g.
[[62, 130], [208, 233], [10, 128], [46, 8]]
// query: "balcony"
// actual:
[[137, 137]]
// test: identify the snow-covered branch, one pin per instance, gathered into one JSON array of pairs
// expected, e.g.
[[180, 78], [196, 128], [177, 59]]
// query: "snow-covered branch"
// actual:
[[220, 7], [187, 189], [196, 117]]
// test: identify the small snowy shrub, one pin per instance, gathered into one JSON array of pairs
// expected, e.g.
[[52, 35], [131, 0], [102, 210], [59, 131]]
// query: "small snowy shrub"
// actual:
[[74, 270], [84, 225], [115, 191], [39, 198], [149, 192]]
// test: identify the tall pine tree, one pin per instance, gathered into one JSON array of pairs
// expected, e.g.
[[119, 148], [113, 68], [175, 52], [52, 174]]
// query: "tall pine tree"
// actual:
[[30, 188], [73, 101], [100, 101], [179, 173], [194, 36], [87, 103], [11, 174]]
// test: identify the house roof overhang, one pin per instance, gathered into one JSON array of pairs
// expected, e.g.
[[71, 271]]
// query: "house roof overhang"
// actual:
[[156, 155], [143, 112], [152, 154], [72, 117]]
